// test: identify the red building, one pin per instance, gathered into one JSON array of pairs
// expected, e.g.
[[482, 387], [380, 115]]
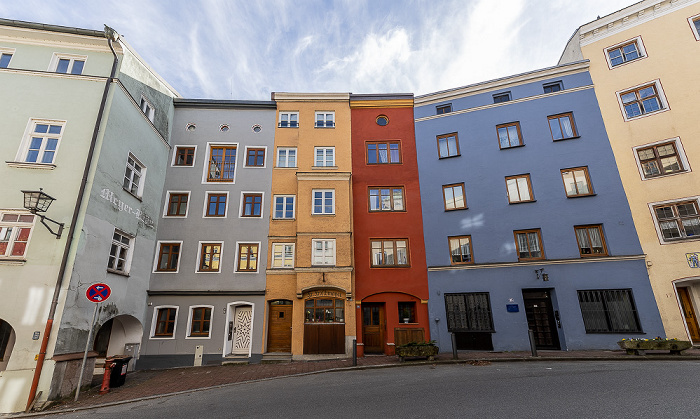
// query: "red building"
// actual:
[[391, 281]]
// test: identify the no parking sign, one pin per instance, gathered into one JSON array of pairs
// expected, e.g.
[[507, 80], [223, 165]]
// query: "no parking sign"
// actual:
[[98, 293]]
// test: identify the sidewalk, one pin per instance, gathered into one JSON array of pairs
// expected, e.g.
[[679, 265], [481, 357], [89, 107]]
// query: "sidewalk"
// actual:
[[154, 383]]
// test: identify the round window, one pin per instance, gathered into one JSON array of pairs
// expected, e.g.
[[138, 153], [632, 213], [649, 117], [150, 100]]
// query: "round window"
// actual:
[[191, 127], [224, 128], [257, 128], [382, 120]]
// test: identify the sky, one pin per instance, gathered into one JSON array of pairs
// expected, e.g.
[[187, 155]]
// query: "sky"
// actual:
[[246, 49]]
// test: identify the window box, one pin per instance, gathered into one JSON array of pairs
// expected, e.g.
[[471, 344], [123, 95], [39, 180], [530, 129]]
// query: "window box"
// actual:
[[638, 346]]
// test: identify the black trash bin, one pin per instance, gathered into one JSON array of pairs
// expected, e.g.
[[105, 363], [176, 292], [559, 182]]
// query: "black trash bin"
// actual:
[[118, 375]]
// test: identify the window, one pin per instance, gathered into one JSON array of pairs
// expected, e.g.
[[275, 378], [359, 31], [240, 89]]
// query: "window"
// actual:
[[678, 220], [147, 109], [5, 57], [41, 141], [509, 135], [389, 253], [386, 199], [325, 156], [216, 205], [289, 120], [284, 206], [286, 157], [562, 126], [164, 322], [209, 257], [407, 312], [608, 311], [184, 156], [642, 100], [323, 252], [120, 252], [282, 255], [323, 201], [67, 63], [624, 52], [469, 312], [247, 257], [552, 87], [177, 204], [441, 109], [528, 244], [255, 157], [661, 159], [576, 182], [168, 257], [590, 241], [448, 145], [461, 250], [501, 97], [191, 127], [325, 119], [695, 26], [222, 164], [519, 189], [252, 205], [383, 153], [324, 311], [382, 120], [200, 321], [133, 176], [15, 230], [454, 196]]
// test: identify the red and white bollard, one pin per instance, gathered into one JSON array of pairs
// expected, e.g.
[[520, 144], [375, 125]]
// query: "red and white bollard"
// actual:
[[105, 378]]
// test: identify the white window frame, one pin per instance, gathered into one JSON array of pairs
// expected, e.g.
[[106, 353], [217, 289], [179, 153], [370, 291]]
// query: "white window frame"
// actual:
[[206, 204], [207, 157], [659, 233], [189, 322], [129, 252], [324, 191], [245, 159], [313, 250], [286, 157], [691, 21], [325, 119], [288, 119], [147, 108], [659, 89], [154, 322], [53, 64], [325, 156], [21, 156], [284, 260], [640, 49], [16, 225], [9, 51], [284, 203], [199, 256], [679, 149], [167, 204], [238, 257], [157, 255], [142, 178], [194, 158], [262, 205]]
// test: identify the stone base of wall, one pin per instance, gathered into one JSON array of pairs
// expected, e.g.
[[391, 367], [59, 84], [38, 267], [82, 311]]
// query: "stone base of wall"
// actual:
[[67, 372]]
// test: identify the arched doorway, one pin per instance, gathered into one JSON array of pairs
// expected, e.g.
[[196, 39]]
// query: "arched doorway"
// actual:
[[279, 331], [7, 342], [120, 335]]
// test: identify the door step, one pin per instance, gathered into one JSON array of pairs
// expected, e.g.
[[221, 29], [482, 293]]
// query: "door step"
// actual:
[[276, 358]]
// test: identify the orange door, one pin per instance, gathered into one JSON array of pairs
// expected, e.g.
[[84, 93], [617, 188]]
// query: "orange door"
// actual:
[[689, 314]]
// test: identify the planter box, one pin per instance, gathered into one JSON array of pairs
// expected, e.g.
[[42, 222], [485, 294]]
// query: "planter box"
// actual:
[[417, 351], [637, 347]]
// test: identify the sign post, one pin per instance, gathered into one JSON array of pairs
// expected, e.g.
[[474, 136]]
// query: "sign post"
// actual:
[[96, 293]]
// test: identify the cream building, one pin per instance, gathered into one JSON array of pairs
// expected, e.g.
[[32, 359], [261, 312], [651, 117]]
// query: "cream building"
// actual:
[[644, 62]]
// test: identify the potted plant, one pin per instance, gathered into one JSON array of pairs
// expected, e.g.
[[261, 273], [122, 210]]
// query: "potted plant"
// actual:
[[638, 346], [417, 350]]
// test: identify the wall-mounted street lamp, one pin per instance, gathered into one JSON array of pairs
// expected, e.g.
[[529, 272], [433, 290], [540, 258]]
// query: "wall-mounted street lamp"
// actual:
[[38, 201], [541, 275]]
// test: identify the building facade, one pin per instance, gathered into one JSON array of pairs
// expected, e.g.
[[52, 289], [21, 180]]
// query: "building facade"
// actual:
[[206, 299], [525, 218], [391, 283], [644, 61]]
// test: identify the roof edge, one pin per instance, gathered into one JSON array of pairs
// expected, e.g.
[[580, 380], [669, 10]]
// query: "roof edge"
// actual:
[[224, 104], [51, 28]]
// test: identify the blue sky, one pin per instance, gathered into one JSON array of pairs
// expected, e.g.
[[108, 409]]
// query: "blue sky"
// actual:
[[231, 49]]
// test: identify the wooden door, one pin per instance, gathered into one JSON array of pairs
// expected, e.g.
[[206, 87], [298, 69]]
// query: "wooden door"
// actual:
[[279, 334], [689, 314], [242, 326], [540, 318], [373, 327]]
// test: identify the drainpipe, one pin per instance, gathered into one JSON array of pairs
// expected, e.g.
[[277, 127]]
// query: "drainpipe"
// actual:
[[111, 36]]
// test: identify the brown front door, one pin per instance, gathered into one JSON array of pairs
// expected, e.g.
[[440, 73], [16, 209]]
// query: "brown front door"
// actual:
[[279, 334], [373, 326], [689, 314], [540, 318]]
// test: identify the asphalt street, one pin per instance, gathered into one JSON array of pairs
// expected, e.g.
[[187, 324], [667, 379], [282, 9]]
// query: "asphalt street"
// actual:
[[589, 389]]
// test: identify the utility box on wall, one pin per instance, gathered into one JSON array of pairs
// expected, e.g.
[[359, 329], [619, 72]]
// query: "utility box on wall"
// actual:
[[132, 350], [198, 353]]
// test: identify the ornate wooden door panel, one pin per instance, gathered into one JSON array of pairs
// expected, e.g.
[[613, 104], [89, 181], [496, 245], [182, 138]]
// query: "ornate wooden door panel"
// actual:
[[242, 328], [373, 325], [279, 335], [689, 314], [540, 318]]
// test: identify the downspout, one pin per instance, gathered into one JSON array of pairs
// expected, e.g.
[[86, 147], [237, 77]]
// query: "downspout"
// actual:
[[111, 36]]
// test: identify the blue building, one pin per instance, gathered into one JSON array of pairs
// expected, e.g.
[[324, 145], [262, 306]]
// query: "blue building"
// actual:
[[526, 222]]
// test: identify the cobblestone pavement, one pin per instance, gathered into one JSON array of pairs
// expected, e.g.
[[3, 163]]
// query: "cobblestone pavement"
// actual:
[[148, 383]]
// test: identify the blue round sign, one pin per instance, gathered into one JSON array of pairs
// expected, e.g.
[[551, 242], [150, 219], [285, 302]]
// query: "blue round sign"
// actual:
[[98, 293]]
